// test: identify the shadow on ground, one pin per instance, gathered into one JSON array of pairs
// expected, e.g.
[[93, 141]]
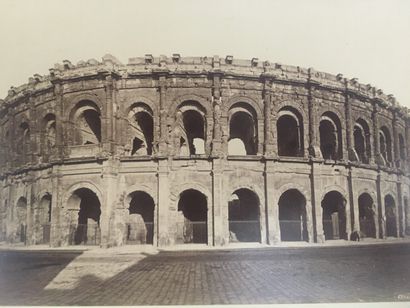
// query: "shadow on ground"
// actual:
[[253, 276]]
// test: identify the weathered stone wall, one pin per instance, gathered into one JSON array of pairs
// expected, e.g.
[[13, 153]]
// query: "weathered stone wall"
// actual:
[[79, 130]]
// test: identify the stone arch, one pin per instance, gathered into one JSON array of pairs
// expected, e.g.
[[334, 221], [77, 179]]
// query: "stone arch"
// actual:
[[75, 100], [330, 135], [362, 140], [247, 100], [385, 142], [291, 186], [367, 214], [177, 190], [390, 214], [293, 216], [334, 214], [143, 100], [191, 131], [254, 188], [243, 127], [200, 100], [140, 132], [83, 184], [86, 124], [192, 217], [138, 187], [21, 215], [48, 133], [292, 104], [141, 217], [402, 147], [290, 132]]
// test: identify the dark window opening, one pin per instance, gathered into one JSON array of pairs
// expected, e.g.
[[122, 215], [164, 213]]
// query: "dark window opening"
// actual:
[[367, 216], [193, 206], [143, 132], [334, 216], [292, 216], [244, 217], [194, 127], [21, 219], [390, 213], [242, 127], [290, 135], [140, 225], [49, 132]]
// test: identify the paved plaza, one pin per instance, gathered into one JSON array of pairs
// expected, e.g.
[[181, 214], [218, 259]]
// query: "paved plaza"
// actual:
[[236, 276]]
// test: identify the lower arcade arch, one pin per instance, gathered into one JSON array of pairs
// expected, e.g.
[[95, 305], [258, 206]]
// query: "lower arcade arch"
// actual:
[[390, 213], [367, 216], [334, 216], [244, 216], [85, 212], [43, 220], [192, 223], [292, 216], [21, 219], [140, 220]]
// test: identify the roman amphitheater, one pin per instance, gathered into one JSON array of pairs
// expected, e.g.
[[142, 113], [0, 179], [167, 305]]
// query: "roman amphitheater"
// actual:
[[200, 150]]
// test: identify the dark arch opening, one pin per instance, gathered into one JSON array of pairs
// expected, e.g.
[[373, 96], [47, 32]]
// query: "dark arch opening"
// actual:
[[330, 136], [193, 206], [390, 212], [334, 216], [367, 216], [86, 230], [385, 145], [43, 219], [290, 134], [143, 134], [21, 219], [244, 216], [242, 127], [194, 126], [140, 226], [292, 216]]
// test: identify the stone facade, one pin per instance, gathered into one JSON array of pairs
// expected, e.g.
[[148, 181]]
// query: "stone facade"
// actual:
[[207, 150]]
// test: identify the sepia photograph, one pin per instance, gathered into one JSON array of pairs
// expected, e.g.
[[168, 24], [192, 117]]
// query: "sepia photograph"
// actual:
[[180, 152]]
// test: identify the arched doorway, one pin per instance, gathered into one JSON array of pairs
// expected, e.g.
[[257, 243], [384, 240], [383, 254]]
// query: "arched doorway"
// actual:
[[292, 216], [192, 225], [43, 220], [334, 216], [85, 211], [21, 220], [367, 216], [244, 216], [140, 223], [390, 213]]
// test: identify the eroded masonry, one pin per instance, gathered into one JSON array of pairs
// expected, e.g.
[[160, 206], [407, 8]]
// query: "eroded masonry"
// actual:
[[173, 150]]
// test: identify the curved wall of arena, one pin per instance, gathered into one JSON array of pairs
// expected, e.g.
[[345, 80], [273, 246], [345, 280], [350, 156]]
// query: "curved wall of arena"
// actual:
[[210, 150]]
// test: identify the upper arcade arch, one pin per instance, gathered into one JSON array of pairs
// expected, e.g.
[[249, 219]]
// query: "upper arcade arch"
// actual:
[[330, 133], [85, 118], [140, 130], [385, 142], [362, 141], [243, 128], [290, 132]]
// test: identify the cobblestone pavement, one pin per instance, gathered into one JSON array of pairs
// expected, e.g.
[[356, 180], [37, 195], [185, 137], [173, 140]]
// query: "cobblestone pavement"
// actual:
[[263, 276]]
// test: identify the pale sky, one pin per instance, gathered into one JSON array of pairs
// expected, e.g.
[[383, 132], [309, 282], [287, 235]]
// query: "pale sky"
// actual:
[[367, 39]]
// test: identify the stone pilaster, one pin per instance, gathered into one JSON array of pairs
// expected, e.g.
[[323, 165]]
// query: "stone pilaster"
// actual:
[[60, 143], [163, 117], [272, 210], [217, 102], [351, 152], [267, 102], [314, 147], [109, 119], [163, 203], [376, 141], [396, 150]]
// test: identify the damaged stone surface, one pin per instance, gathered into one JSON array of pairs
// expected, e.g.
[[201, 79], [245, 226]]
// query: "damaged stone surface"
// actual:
[[170, 150]]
